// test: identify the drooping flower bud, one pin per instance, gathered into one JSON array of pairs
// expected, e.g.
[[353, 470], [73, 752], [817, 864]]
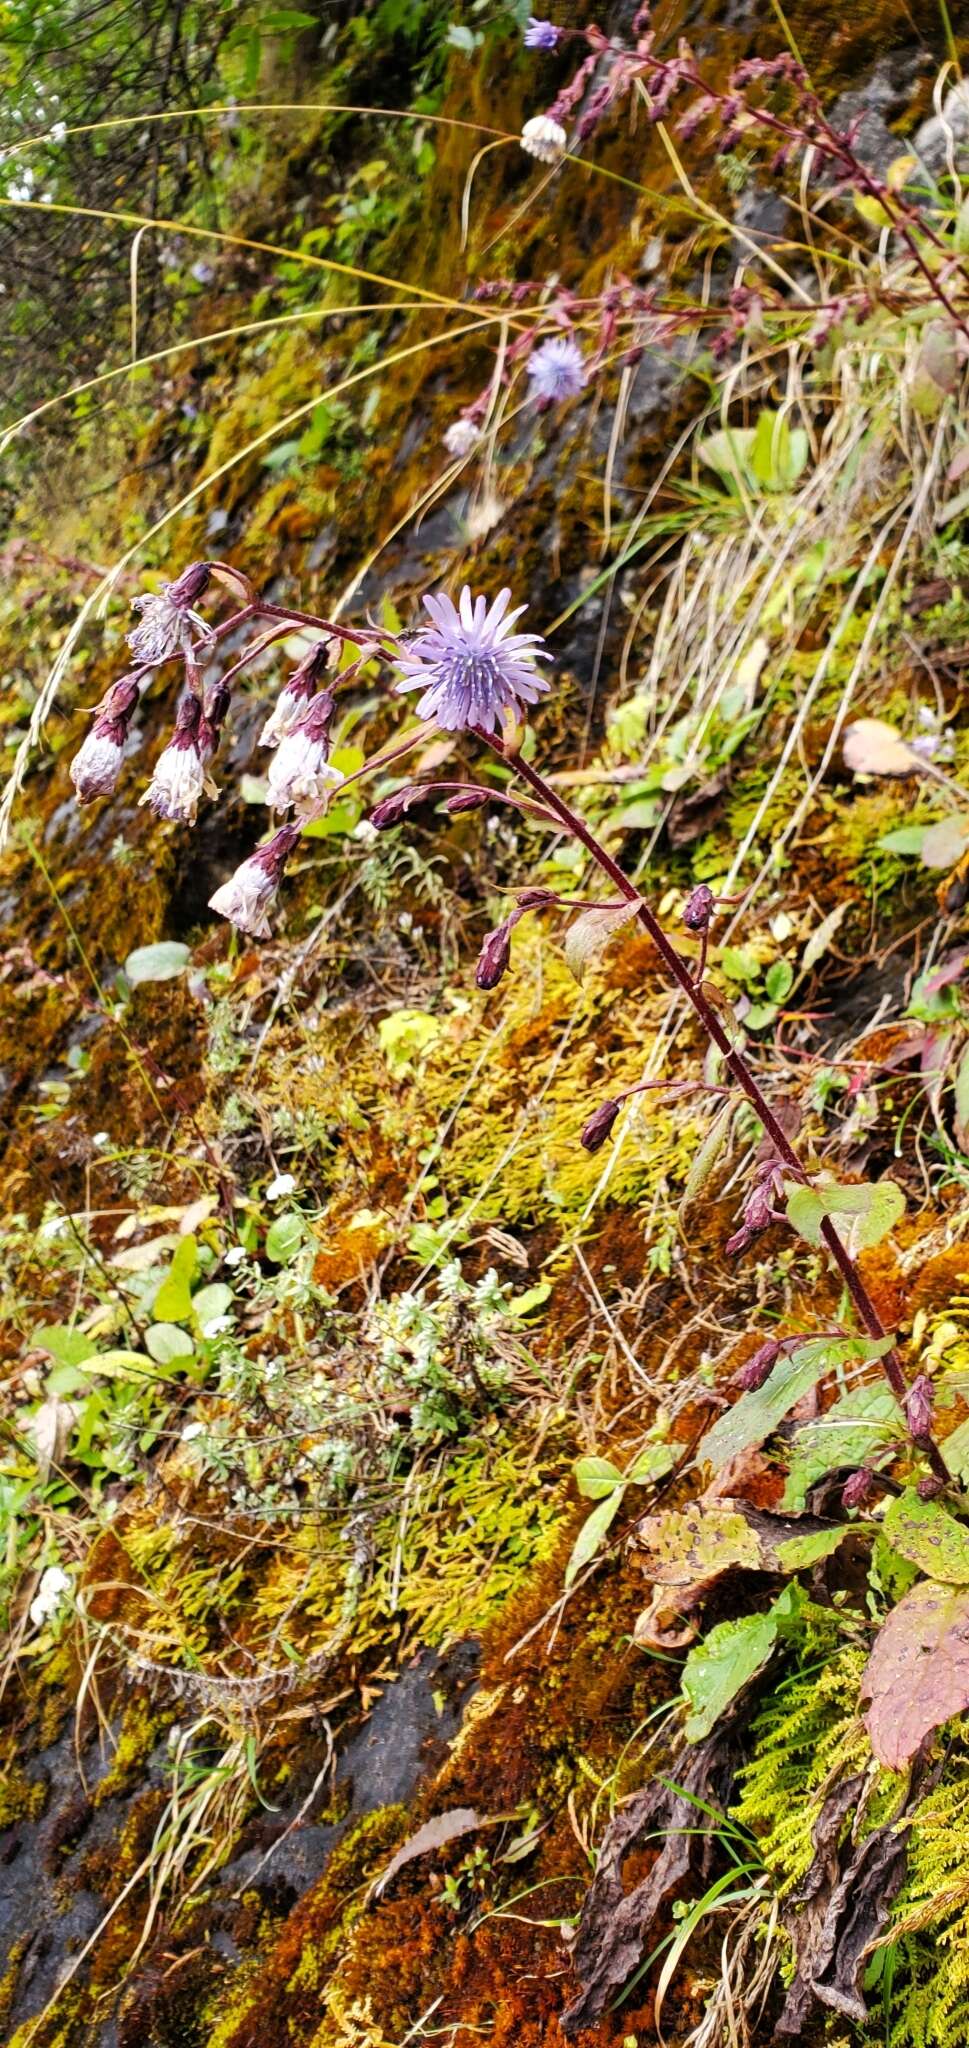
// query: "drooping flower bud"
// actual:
[[930, 1487], [178, 780], [246, 897], [758, 1213], [698, 908], [598, 1126], [857, 1490], [536, 899], [468, 800], [391, 809], [296, 694], [494, 957], [190, 585], [757, 1368], [918, 1407], [300, 772]]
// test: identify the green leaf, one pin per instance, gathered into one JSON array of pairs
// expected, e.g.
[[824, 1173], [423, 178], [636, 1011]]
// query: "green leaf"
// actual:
[[173, 1302], [284, 1238], [652, 1463], [69, 1347], [801, 1551], [157, 963], [165, 1342], [596, 1477], [956, 1452], [778, 980], [924, 1532], [962, 1099], [872, 1208], [758, 1413], [533, 1298], [907, 839], [121, 1365], [591, 1534], [778, 453], [847, 1435], [728, 453], [209, 1302], [718, 1667]]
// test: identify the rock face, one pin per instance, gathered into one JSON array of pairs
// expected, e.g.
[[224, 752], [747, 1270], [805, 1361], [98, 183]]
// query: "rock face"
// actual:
[[321, 1127]]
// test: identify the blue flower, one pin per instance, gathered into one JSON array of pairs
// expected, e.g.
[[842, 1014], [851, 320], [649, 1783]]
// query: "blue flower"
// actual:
[[470, 665], [541, 35], [557, 370]]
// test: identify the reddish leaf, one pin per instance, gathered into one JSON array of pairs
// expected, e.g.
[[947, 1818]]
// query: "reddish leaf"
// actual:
[[918, 1673]]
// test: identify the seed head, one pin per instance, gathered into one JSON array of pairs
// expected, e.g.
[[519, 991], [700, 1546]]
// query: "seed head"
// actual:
[[167, 617]]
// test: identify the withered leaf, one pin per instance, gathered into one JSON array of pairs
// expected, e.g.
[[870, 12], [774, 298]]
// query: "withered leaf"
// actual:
[[590, 934], [918, 1673], [444, 1828], [614, 1930], [837, 1913]]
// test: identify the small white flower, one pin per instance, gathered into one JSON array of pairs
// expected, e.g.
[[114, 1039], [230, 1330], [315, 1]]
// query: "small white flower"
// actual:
[[245, 898], [191, 1431], [177, 784], [235, 1255], [365, 832], [97, 764], [544, 138], [101, 1138], [462, 438], [49, 1597], [405, 922], [217, 1326], [283, 1184], [299, 772], [55, 1226]]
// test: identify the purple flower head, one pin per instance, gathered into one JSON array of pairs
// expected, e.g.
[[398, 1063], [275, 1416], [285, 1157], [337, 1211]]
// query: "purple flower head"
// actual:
[[167, 617], [557, 370], [541, 35], [245, 898], [598, 1126], [295, 695], [178, 780], [470, 665], [757, 1368]]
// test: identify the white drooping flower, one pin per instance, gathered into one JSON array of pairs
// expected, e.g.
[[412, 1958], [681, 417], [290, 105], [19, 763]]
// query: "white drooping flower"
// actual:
[[299, 772], [246, 897], [55, 1584], [544, 138], [97, 763], [462, 438], [296, 695], [178, 778], [282, 1185]]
